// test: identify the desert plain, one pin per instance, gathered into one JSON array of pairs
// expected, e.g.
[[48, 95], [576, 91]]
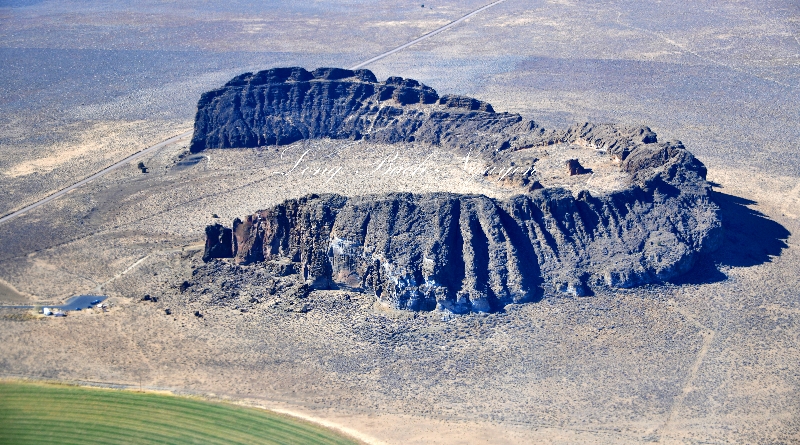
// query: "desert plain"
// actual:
[[709, 358]]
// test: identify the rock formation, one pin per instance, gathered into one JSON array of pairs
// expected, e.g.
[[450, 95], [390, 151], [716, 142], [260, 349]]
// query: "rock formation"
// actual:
[[574, 167], [456, 252], [473, 253], [284, 105], [218, 242]]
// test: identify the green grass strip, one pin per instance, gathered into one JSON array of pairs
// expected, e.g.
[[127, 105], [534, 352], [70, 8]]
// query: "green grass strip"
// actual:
[[33, 413]]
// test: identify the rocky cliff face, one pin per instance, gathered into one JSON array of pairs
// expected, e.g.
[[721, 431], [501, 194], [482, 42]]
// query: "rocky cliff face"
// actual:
[[473, 253], [283, 105], [457, 252]]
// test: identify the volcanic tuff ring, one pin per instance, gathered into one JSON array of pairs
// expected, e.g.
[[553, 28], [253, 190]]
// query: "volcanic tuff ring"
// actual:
[[648, 220]]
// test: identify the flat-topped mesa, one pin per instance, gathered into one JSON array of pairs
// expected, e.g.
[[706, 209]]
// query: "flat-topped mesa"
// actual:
[[284, 105], [467, 253], [647, 219]]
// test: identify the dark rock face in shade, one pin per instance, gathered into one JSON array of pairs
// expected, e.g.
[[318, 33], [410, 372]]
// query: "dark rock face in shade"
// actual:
[[448, 251], [218, 242], [284, 105]]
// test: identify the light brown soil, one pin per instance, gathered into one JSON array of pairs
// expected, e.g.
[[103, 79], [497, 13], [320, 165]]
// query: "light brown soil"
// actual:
[[9, 295]]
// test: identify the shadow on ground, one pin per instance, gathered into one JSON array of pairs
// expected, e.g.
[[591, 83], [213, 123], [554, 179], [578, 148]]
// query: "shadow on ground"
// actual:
[[750, 239]]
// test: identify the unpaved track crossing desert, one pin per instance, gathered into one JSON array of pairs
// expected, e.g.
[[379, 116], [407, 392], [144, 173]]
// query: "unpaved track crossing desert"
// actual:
[[188, 133], [102, 172]]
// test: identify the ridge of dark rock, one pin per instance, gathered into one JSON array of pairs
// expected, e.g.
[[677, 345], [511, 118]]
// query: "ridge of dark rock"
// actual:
[[473, 253], [284, 105], [448, 251]]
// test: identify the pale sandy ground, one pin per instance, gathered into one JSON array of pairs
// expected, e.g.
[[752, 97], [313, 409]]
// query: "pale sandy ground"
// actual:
[[9, 295], [32, 171]]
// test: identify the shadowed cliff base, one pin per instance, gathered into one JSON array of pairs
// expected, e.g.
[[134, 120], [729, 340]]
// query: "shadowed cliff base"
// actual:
[[749, 239]]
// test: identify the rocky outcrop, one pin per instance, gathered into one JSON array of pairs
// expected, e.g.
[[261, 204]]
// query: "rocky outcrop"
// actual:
[[472, 253], [456, 252], [284, 105], [219, 242], [574, 167]]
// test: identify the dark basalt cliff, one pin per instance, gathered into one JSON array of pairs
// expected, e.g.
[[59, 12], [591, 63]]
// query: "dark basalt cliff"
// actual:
[[473, 253], [284, 105], [448, 251]]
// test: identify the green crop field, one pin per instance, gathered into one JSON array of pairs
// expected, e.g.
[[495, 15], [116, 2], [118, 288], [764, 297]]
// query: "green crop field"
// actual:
[[46, 413]]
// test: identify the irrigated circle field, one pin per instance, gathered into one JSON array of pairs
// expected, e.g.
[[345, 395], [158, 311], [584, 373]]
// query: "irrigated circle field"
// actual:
[[45, 413]]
